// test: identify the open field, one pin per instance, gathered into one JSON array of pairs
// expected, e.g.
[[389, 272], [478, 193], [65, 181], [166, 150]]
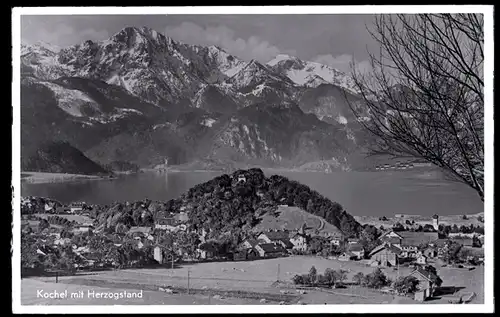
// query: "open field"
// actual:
[[30, 287], [258, 276], [40, 178], [292, 218]]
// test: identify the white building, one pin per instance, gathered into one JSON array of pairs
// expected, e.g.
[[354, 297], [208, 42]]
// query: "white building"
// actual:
[[435, 222], [299, 242]]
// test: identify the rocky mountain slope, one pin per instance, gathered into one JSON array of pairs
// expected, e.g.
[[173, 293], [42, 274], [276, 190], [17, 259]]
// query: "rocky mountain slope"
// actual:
[[141, 97]]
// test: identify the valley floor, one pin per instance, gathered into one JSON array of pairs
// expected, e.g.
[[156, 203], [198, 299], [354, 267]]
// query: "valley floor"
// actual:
[[253, 277]]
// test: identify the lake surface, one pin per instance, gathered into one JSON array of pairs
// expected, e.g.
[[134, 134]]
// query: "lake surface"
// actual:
[[361, 193]]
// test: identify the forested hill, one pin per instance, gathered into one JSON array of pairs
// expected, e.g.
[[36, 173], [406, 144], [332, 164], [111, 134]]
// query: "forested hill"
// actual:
[[233, 203]]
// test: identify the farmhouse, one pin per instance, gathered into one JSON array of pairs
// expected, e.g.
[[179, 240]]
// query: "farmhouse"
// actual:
[[245, 255], [337, 239], [407, 240], [422, 259], [386, 254], [285, 243], [207, 251], [430, 252], [427, 281], [270, 250], [347, 256], [248, 244], [299, 242], [272, 236], [358, 250]]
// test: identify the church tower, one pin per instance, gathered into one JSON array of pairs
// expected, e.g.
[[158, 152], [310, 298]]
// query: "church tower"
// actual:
[[435, 222]]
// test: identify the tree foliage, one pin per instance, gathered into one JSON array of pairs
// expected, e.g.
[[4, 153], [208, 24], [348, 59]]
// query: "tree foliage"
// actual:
[[406, 284]]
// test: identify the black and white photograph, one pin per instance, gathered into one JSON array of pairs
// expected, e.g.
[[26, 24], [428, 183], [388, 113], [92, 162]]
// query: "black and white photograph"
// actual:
[[280, 159]]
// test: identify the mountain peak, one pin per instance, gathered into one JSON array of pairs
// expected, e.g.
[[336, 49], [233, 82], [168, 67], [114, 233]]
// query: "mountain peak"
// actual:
[[281, 57], [138, 35]]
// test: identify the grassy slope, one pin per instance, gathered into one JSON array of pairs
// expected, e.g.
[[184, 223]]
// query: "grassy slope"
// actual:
[[292, 218]]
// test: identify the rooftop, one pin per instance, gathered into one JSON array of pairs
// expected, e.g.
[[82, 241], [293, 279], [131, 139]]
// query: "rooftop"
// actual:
[[276, 235], [271, 247], [387, 246], [425, 274], [356, 247], [140, 229]]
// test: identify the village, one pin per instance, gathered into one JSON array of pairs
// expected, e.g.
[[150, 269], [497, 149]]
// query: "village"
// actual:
[[71, 227]]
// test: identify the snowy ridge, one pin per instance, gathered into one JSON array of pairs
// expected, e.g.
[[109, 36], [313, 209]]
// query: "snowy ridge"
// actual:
[[70, 100], [311, 74]]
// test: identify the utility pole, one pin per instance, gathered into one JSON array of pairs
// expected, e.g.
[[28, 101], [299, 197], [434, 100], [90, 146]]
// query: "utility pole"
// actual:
[[278, 275], [57, 276], [188, 282]]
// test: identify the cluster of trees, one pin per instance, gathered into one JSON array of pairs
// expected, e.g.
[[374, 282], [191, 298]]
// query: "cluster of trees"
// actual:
[[443, 229], [369, 238], [329, 278], [318, 245], [455, 253], [55, 258], [36, 205], [377, 279]]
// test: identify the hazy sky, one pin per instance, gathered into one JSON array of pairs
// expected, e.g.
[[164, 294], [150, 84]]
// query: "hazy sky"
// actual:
[[330, 39]]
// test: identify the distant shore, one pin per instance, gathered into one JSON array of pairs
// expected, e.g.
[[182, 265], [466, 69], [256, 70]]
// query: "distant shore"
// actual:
[[389, 221], [43, 178]]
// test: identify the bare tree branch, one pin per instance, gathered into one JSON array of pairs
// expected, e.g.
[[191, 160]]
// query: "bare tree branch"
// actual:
[[425, 94]]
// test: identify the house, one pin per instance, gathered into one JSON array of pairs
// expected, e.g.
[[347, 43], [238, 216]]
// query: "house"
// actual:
[[408, 241], [248, 244], [242, 178], [347, 256], [337, 239], [76, 206], [181, 217], [83, 228], [245, 255], [164, 223], [299, 242], [270, 250], [422, 260], [430, 253], [207, 250], [427, 281], [386, 254], [358, 250], [286, 244], [352, 241], [144, 230], [272, 236]]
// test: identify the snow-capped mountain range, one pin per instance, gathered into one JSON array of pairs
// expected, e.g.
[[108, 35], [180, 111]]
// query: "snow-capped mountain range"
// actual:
[[140, 75]]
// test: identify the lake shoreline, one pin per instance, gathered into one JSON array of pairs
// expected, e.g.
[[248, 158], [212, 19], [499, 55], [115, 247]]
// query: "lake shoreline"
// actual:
[[47, 178]]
